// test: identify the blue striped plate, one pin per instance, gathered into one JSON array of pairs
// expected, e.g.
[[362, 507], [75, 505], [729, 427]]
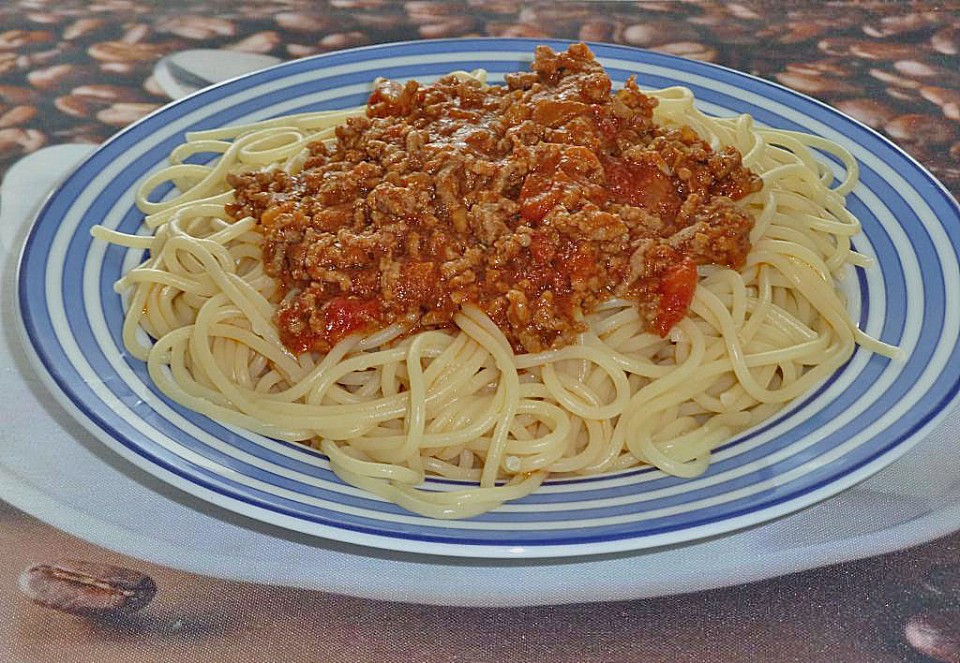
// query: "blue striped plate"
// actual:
[[862, 419]]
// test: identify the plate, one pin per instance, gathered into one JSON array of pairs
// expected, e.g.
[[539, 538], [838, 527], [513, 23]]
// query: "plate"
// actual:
[[867, 415], [913, 500]]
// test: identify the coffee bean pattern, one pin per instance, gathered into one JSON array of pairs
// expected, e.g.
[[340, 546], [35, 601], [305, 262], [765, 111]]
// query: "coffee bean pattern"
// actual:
[[87, 589], [923, 615], [893, 66]]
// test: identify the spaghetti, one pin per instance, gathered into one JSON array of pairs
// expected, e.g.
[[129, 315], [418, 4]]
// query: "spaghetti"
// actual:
[[468, 400]]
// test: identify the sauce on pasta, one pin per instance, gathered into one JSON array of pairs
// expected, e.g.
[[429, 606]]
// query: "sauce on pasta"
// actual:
[[355, 280], [535, 201]]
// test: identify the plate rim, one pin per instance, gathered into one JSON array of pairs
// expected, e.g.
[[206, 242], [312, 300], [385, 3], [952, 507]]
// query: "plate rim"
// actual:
[[423, 543]]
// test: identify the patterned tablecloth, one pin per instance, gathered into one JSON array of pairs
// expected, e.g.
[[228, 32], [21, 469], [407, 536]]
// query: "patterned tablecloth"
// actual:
[[76, 72]]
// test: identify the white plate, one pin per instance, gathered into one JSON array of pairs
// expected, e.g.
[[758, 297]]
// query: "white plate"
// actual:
[[863, 418]]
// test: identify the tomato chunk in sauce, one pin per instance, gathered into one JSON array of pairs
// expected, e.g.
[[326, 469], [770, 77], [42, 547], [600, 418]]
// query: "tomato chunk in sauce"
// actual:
[[534, 201], [676, 292]]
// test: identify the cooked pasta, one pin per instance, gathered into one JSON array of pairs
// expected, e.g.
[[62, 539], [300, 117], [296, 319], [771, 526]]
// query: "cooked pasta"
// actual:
[[465, 401]]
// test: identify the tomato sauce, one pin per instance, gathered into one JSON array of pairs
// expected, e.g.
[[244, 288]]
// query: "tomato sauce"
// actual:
[[534, 201]]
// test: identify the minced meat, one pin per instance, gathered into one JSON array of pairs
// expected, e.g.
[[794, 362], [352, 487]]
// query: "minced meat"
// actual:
[[534, 201]]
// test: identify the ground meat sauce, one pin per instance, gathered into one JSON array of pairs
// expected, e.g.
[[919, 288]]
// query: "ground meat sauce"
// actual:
[[534, 201]]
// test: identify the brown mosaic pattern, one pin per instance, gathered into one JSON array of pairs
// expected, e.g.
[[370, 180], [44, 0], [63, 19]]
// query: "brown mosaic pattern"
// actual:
[[75, 71]]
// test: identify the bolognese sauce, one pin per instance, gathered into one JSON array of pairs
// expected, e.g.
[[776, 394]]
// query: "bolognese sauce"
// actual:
[[534, 201]]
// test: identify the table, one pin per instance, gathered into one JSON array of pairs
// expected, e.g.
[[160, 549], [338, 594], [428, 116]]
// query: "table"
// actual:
[[76, 72]]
